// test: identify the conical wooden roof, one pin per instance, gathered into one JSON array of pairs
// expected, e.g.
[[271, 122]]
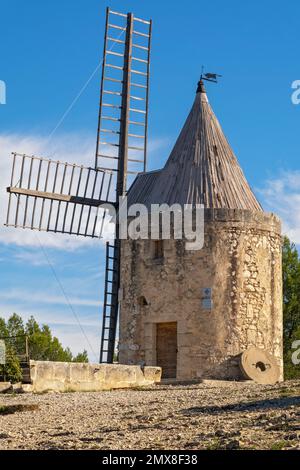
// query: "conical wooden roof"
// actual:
[[201, 169]]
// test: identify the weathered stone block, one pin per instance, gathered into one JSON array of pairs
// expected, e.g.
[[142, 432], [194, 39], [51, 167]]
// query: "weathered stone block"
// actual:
[[63, 377], [152, 374], [5, 387]]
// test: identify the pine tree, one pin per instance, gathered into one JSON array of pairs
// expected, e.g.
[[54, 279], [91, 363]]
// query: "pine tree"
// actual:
[[43, 346], [291, 305]]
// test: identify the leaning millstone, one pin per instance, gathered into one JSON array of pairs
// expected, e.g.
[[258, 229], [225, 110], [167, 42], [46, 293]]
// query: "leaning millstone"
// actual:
[[259, 365]]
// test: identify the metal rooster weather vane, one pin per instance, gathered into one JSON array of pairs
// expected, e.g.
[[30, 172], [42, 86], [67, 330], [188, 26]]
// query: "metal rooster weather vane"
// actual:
[[55, 196]]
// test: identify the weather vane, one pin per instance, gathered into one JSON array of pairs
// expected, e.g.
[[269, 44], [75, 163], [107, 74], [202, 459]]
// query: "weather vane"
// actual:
[[209, 77]]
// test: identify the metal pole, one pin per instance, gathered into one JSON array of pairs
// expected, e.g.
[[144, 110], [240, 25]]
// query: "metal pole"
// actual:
[[123, 141], [26, 348]]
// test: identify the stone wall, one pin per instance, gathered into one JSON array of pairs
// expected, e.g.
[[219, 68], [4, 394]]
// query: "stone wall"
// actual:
[[80, 377], [240, 261]]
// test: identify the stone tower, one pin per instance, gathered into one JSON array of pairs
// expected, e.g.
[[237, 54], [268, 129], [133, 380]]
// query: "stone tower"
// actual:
[[194, 312]]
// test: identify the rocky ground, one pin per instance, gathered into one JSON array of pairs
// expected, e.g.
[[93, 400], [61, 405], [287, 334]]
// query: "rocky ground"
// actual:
[[200, 416]]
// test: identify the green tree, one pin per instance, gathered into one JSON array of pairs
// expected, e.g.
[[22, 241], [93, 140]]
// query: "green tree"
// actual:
[[15, 330], [81, 357], [43, 346], [3, 329], [15, 325], [11, 370], [291, 305]]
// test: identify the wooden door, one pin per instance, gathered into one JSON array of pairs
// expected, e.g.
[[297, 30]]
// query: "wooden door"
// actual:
[[166, 349]]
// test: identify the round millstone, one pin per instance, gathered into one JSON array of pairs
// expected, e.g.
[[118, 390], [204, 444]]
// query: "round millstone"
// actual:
[[259, 365]]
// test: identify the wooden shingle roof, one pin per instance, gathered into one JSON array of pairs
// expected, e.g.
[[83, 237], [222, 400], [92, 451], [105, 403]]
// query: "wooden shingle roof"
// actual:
[[201, 169]]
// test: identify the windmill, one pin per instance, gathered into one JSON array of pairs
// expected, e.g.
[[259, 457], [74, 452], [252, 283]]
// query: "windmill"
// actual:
[[60, 197]]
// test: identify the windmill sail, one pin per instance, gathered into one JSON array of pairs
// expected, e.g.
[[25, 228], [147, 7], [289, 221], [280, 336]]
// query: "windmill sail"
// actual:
[[58, 197]]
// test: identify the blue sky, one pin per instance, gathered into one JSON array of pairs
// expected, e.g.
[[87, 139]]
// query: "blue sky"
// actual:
[[49, 50]]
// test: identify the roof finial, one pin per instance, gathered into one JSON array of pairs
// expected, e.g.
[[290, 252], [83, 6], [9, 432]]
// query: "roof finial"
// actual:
[[201, 88]]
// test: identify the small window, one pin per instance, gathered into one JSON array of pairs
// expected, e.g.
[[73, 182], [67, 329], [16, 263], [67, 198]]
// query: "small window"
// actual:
[[158, 249], [142, 301]]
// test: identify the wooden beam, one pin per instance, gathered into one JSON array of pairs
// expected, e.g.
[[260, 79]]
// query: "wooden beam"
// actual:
[[58, 197]]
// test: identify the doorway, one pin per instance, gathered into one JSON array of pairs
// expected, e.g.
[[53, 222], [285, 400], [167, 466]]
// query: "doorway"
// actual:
[[166, 349]]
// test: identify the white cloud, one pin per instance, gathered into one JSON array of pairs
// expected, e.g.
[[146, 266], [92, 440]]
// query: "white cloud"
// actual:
[[29, 256], [46, 315], [282, 196], [24, 296]]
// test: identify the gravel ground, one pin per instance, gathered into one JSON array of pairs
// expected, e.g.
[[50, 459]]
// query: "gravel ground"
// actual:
[[202, 416]]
